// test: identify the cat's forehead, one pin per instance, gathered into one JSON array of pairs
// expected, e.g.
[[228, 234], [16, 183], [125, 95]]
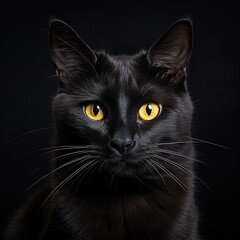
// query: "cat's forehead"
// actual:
[[124, 66], [120, 77], [119, 71]]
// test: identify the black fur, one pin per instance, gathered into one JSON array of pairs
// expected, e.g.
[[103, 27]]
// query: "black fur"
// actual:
[[132, 179]]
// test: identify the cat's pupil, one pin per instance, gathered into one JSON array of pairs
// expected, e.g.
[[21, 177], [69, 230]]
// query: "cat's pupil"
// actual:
[[149, 109], [96, 109]]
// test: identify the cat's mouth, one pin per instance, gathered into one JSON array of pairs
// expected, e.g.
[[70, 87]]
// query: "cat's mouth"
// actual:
[[123, 166]]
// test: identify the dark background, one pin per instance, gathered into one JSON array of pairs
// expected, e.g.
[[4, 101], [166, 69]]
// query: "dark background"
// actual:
[[27, 90]]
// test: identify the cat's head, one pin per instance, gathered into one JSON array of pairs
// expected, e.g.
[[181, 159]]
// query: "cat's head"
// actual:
[[116, 112]]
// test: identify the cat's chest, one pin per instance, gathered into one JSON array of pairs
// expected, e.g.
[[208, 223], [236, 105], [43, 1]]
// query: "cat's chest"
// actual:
[[120, 218]]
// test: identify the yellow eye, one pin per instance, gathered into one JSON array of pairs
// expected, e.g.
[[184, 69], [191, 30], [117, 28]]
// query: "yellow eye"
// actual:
[[94, 111], [149, 111]]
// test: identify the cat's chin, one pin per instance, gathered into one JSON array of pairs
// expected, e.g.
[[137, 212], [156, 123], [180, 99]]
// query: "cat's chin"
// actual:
[[122, 168]]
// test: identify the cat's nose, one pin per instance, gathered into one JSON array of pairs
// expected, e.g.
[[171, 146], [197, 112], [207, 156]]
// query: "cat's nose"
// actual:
[[122, 145]]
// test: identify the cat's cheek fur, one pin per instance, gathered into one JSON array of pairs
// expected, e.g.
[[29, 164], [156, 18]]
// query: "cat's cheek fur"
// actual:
[[72, 124]]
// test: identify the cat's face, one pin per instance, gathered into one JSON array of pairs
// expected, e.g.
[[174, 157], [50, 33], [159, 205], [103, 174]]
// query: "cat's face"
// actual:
[[121, 109]]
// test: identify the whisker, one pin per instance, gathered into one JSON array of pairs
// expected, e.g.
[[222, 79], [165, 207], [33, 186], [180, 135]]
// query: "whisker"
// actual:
[[174, 153], [64, 147], [176, 179], [175, 143], [137, 177], [193, 141], [149, 169], [29, 132], [52, 76], [179, 166], [172, 163], [101, 166], [211, 143], [154, 167], [112, 178], [177, 155], [87, 158], [59, 157], [65, 155], [85, 172], [62, 166], [60, 185]]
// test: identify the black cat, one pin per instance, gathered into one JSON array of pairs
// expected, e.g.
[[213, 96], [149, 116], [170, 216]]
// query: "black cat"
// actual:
[[123, 156]]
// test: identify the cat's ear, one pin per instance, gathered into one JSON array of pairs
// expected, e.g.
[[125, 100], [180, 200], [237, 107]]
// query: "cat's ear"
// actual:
[[71, 55], [170, 54]]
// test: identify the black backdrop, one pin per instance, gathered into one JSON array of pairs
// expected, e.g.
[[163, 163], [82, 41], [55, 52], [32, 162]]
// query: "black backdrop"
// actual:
[[27, 89]]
